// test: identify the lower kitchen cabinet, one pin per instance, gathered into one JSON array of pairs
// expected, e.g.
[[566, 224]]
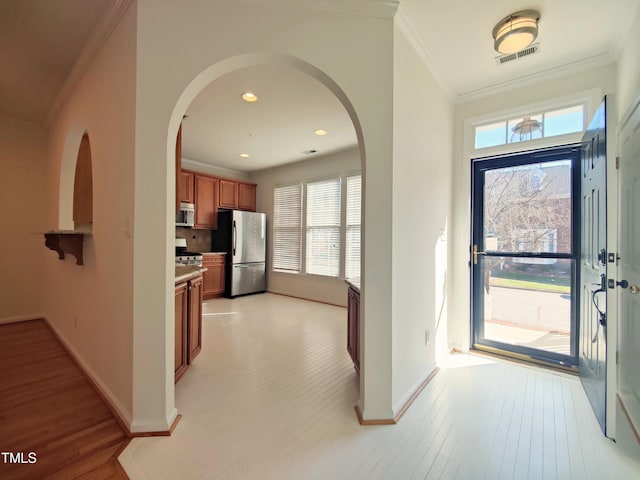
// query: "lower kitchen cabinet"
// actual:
[[195, 318], [181, 319], [353, 326], [214, 276], [188, 324]]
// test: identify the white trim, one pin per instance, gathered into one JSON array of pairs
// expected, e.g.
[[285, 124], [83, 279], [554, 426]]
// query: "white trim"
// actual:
[[635, 103], [101, 32], [22, 318], [406, 26], [141, 426], [124, 415], [196, 164], [590, 98], [412, 391], [536, 78]]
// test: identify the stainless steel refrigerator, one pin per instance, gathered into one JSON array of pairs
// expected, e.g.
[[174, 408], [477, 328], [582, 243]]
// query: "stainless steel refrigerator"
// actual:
[[242, 235]]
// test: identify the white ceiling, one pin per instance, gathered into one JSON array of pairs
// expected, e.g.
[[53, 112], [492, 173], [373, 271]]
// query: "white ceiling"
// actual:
[[456, 38], [274, 130], [41, 39]]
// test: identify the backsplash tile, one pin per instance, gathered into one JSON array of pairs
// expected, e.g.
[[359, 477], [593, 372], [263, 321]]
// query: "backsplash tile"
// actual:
[[197, 240]]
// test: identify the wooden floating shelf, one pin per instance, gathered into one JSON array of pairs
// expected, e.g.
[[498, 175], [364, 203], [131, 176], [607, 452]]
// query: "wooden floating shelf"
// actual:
[[66, 242]]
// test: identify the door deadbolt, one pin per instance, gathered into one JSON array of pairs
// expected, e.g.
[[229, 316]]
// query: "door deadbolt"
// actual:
[[634, 289]]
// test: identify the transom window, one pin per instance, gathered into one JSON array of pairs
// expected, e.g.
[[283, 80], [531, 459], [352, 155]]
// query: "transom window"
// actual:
[[530, 127]]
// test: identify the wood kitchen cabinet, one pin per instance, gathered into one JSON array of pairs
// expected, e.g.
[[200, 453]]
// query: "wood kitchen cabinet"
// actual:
[[186, 187], [181, 320], [188, 324], [353, 326], [228, 197], [237, 195], [195, 319], [247, 196], [206, 201], [214, 276]]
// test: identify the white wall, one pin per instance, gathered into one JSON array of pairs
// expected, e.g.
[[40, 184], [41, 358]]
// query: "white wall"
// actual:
[[629, 69], [312, 287], [23, 153], [602, 78], [180, 50], [422, 153], [91, 306]]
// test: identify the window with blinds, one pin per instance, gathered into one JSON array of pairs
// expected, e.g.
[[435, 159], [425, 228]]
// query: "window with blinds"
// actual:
[[287, 228], [323, 227], [352, 243]]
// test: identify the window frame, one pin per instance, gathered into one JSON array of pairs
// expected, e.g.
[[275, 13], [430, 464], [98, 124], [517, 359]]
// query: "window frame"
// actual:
[[343, 176]]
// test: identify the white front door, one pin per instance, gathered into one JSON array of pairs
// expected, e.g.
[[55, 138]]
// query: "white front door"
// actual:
[[629, 268]]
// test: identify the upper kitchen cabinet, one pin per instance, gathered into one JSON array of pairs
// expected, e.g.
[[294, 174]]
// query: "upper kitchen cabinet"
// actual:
[[179, 167], [247, 196], [186, 186], [228, 194], [237, 195], [206, 201]]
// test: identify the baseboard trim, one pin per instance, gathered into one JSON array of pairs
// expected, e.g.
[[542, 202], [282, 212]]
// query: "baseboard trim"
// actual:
[[401, 411], [626, 414], [22, 318], [161, 433], [104, 396]]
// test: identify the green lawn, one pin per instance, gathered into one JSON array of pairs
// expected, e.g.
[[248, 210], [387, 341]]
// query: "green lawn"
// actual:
[[529, 285]]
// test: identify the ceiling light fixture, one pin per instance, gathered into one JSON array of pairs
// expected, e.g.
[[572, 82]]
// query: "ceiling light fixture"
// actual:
[[244, 155], [320, 132], [516, 32], [249, 97]]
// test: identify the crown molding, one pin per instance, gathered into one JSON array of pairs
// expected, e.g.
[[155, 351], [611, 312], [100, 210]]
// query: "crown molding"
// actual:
[[109, 19], [369, 8], [403, 22], [527, 80]]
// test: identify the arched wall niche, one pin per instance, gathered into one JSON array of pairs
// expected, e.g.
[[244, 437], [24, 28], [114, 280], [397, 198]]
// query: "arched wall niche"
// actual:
[[75, 208]]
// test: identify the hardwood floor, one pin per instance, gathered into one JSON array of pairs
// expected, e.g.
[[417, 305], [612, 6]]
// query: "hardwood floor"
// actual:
[[271, 396], [49, 409]]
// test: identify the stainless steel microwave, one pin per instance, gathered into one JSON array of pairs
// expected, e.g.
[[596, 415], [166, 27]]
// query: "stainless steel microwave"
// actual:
[[186, 216]]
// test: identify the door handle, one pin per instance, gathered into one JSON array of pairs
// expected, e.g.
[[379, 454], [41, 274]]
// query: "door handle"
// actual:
[[234, 238], [476, 253], [634, 289]]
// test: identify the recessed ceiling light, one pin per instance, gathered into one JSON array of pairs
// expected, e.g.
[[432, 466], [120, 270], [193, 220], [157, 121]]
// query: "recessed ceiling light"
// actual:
[[320, 132], [249, 97], [244, 155]]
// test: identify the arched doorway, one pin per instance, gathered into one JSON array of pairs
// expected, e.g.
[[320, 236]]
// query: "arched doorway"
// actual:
[[230, 65]]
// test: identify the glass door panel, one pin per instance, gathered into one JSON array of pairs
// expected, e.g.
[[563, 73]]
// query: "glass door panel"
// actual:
[[524, 256]]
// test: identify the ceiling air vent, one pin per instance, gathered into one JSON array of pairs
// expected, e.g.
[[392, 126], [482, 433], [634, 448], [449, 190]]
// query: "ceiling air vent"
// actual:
[[310, 152], [535, 48]]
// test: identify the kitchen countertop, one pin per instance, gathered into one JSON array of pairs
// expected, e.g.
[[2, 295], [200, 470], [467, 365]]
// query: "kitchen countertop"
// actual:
[[187, 272], [213, 253]]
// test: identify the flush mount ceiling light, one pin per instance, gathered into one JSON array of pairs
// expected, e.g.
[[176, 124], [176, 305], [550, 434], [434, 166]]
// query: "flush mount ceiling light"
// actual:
[[244, 155], [516, 32], [320, 132], [249, 97]]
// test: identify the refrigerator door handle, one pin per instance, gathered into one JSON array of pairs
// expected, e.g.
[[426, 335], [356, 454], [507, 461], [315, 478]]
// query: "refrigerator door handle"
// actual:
[[234, 238]]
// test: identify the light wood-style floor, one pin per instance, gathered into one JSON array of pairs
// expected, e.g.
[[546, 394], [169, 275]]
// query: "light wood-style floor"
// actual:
[[271, 396], [48, 407]]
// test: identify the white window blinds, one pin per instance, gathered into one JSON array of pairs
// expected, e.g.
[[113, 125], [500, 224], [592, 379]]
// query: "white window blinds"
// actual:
[[323, 227], [352, 245], [287, 228]]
